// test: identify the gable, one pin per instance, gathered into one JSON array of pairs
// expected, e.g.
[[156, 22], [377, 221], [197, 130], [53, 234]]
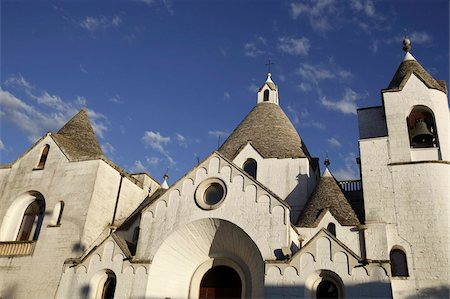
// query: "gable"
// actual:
[[246, 203]]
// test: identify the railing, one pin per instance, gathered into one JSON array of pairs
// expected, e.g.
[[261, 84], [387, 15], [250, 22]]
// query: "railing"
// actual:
[[16, 248], [350, 185]]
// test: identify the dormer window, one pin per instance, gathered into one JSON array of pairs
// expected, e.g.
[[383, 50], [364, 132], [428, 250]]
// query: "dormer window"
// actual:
[[250, 166], [422, 128], [266, 95], [43, 158]]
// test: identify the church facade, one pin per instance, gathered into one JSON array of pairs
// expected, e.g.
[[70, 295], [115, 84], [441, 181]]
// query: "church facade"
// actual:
[[256, 219]]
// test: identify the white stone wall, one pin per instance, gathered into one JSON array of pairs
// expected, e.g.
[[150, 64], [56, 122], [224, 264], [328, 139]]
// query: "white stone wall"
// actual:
[[348, 235], [248, 209], [89, 192], [323, 258], [78, 281], [293, 180], [60, 180]]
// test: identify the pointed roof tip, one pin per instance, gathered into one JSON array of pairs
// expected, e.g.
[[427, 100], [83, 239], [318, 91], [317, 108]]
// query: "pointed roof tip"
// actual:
[[164, 184], [409, 56], [269, 77], [327, 173], [409, 66], [77, 138]]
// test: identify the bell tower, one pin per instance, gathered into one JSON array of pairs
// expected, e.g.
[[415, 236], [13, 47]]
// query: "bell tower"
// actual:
[[405, 170], [268, 92]]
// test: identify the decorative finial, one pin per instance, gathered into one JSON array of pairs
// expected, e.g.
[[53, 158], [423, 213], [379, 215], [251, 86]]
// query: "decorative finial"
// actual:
[[327, 161], [164, 185], [406, 44], [268, 66]]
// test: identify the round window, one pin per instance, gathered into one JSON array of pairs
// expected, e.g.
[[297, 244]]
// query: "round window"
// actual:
[[210, 193]]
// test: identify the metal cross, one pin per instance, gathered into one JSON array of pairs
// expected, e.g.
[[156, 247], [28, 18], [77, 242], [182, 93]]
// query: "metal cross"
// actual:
[[269, 64]]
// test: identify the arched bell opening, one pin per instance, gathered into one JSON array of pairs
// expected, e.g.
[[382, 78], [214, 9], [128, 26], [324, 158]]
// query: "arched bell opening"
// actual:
[[422, 128], [221, 282]]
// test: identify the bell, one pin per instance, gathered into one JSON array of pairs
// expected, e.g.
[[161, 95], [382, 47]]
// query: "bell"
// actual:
[[421, 135]]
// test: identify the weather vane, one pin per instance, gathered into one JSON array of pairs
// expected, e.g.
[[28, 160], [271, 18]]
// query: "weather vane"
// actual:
[[268, 65]]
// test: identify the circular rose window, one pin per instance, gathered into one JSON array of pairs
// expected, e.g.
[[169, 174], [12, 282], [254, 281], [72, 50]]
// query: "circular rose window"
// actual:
[[210, 193]]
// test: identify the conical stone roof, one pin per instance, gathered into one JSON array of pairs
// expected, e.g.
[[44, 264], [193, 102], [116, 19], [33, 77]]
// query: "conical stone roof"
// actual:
[[269, 131], [411, 66], [77, 138], [327, 195]]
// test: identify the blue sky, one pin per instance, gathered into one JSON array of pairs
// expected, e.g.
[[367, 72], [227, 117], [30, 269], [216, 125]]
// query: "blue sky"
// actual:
[[165, 81]]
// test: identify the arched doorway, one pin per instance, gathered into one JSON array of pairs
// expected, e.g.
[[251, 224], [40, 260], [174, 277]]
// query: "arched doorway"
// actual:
[[220, 282], [327, 289]]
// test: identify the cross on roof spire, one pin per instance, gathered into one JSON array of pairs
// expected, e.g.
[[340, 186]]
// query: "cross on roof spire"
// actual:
[[268, 65]]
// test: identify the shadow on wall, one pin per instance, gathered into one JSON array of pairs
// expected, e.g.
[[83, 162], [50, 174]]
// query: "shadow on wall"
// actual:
[[437, 292], [78, 248], [9, 292], [84, 291], [293, 198], [363, 290]]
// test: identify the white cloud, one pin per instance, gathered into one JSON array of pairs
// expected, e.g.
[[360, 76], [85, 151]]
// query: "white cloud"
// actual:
[[365, 6], [294, 46], [156, 141], [350, 169], [346, 105], [334, 142], [318, 12], [116, 99], [305, 87], [153, 161], [97, 23], [50, 113], [253, 88], [181, 140], [293, 113], [83, 70], [420, 37], [226, 95], [313, 74], [108, 149], [253, 48], [18, 81], [218, 133], [303, 119], [138, 167], [2, 146], [416, 37]]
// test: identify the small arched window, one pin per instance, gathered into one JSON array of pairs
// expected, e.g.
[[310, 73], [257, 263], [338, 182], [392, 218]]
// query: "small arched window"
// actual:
[[422, 128], [266, 95], [332, 228], [57, 213], [399, 266], [43, 157], [31, 221], [250, 166]]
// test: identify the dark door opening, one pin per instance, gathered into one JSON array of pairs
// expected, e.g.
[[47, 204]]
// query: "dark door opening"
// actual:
[[327, 289], [221, 282]]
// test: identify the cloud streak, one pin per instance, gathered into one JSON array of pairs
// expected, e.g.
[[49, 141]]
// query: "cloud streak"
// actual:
[[48, 112], [294, 46]]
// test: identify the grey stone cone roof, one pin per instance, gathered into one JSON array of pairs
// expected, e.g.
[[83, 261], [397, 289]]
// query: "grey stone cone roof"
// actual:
[[77, 138], [327, 195], [409, 67], [269, 131]]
